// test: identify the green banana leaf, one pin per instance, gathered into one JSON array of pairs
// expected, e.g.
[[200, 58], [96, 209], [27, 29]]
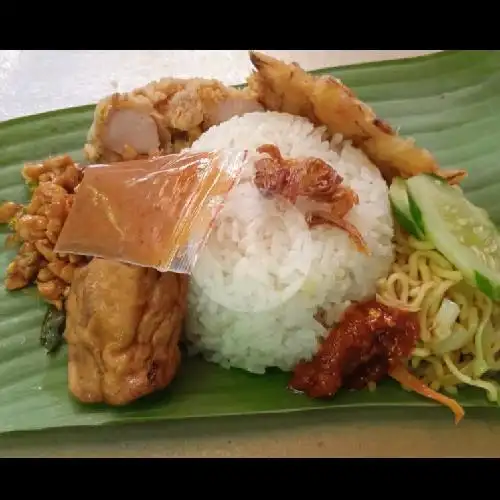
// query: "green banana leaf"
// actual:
[[449, 102]]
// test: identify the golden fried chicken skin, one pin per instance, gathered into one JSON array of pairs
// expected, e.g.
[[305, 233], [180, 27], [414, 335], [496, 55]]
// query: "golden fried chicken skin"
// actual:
[[122, 329], [162, 117], [325, 100]]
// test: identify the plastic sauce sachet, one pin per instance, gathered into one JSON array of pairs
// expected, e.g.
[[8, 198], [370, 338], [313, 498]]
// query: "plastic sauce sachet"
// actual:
[[156, 212]]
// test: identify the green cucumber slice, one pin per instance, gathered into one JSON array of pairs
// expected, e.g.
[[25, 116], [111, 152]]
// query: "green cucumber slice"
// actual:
[[398, 196], [461, 231]]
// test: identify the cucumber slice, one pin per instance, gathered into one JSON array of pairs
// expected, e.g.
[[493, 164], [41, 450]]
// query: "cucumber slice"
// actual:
[[398, 195], [462, 232]]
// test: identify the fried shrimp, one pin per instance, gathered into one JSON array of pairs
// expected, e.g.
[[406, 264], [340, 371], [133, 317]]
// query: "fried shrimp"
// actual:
[[325, 100]]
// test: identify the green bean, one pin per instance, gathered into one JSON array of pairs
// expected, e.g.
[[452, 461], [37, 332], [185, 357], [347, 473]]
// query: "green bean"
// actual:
[[51, 335]]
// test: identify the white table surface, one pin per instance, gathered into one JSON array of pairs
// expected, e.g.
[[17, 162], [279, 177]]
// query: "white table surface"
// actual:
[[37, 81], [33, 81]]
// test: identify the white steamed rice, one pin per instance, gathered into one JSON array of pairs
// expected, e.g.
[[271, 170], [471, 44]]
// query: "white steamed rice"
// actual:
[[260, 280]]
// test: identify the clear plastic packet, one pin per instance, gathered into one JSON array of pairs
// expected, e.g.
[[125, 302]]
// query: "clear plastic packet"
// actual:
[[155, 212]]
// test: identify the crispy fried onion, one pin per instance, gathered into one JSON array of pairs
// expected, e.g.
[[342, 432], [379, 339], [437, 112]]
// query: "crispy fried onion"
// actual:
[[311, 178]]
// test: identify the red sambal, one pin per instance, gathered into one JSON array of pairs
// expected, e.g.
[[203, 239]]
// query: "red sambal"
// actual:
[[370, 340]]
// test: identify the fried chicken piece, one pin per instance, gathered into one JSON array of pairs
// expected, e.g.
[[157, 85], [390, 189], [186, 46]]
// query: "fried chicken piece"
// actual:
[[233, 106], [313, 179], [325, 100], [123, 327], [161, 118], [131, 131]]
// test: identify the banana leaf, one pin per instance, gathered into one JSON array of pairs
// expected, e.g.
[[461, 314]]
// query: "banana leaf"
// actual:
[[449, 102]]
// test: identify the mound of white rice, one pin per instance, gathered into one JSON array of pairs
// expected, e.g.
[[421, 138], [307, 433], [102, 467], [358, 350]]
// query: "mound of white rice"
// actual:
[[263, 275]]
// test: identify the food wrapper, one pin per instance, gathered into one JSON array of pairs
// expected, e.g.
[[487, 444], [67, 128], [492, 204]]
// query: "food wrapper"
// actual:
[[156, 212]]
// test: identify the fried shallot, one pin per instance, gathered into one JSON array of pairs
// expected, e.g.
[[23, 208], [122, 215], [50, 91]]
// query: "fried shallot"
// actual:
[[313, 179]]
